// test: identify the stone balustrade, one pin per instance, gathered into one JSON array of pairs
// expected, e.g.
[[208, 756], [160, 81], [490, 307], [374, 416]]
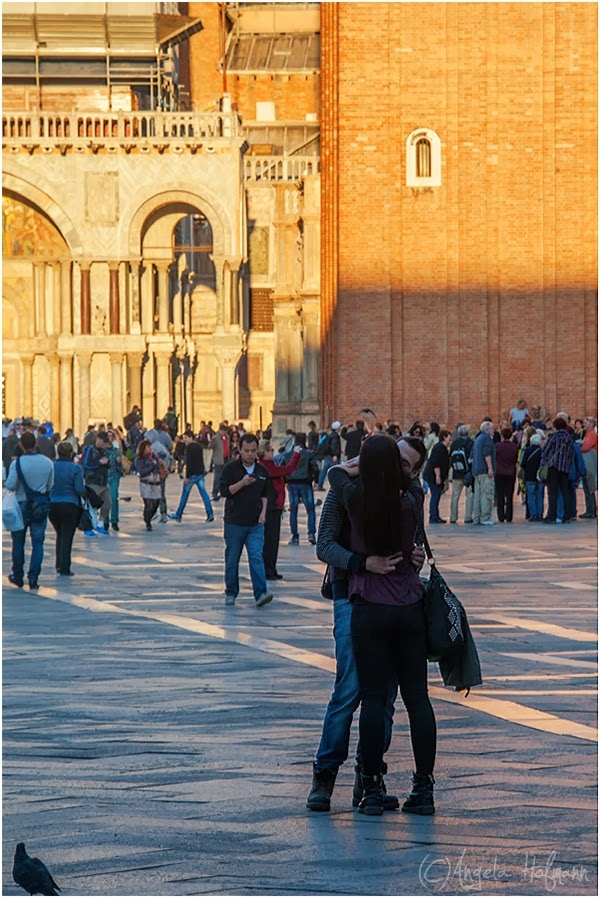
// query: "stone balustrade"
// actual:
[[280, 168], [128, 130]]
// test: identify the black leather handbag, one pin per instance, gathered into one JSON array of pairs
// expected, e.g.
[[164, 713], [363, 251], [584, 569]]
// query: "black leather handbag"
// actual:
[[443, 610]]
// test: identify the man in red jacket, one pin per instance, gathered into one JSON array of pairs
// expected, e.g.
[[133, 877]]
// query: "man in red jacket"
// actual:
[[275, 503]]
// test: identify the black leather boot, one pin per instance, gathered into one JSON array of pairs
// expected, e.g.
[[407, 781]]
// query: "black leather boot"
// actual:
[[372, 801], [319, 798], [390, 802], [420, 800]]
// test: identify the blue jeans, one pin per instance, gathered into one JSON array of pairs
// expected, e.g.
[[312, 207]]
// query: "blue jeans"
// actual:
[[327, 464], [302, 492], [188, 484], [434, 502], [335, 738], [535, 498], [236, 537], [37, 530]]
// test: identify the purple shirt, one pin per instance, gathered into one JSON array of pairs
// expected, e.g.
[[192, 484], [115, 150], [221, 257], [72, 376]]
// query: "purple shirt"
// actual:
[[402, 586]]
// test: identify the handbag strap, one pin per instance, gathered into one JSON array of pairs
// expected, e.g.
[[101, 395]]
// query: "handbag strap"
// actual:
[[421, 526], [26, 487]]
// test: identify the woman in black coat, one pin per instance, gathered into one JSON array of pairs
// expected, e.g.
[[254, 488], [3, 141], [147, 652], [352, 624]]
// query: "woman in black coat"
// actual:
[[436, 474]]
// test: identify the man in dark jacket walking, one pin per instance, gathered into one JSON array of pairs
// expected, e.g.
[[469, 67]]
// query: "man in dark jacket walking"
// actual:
[[436, 473], [461, 449], [333, 454]]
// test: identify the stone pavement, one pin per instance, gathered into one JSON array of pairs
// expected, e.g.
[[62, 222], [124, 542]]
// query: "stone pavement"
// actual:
[[158, 743]]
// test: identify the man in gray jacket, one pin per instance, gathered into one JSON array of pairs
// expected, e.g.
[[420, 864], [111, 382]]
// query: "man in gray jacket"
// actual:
[[38, 473]]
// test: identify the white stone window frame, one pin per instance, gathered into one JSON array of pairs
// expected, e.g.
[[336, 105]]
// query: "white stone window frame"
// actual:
[[412, 179]]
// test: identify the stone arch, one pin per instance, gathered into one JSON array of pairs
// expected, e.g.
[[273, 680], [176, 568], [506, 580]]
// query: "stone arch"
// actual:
[[211, 208], [16, 184]]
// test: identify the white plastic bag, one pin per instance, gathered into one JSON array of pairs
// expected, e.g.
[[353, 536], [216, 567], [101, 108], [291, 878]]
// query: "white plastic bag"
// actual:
[[12, 519]]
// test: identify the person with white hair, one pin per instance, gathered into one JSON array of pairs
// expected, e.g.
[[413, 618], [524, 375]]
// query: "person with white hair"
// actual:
[[333, 453], [483, 467]]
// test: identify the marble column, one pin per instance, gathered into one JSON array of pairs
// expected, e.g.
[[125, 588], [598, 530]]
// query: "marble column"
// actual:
[[147, 297], [116, 371], [84, 359], [163, 382], [218, 262], [148, 391], [66, 317], [66, 391], [310, 360], [231, 295], [27, 398], [229, 405], [54, 360], [40, 299], [113, 301], [133, 326], [86, 301], [56, 298], [164, 287], [134, 366]]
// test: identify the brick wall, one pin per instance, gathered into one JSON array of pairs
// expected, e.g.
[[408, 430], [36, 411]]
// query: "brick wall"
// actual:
[[453, 301]]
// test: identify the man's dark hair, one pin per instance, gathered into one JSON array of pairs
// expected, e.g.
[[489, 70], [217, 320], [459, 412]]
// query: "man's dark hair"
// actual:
[[102, 435], [189, 433], [419, 446], [359, 424], [506, 433], [42, 431], [64, 449], [312, 424], [300, 440], [446, 433], [27, 440], [559, 424], [158, 424], [248, 438]]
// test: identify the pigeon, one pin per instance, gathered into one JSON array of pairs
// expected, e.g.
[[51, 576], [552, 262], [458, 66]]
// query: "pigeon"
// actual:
[[31, 874]]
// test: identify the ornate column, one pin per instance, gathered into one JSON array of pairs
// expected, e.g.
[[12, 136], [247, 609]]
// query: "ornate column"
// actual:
[[113, 301], [66, 318], [148, 399], [84, 359], [54, 360], [310, 358], [164, 286], [134, 365], [27, 399], [116, 370], [231, 297], [56, 298], [40, 298], [163, 383], [134, 292], [66, 391], [86, 302], [147, 297], [218, 262]]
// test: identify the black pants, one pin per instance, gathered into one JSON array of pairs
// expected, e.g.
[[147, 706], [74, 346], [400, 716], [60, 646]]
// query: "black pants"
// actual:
[[505, 490], [64, 517], [390, 639], [271, 544], [558, 480], [150, 506]]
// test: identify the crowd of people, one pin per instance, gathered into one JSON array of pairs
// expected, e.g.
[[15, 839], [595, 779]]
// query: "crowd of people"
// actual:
[[379, 482]]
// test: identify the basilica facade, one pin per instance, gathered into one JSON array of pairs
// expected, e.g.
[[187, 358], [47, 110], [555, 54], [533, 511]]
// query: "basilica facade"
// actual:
[[156, 251]]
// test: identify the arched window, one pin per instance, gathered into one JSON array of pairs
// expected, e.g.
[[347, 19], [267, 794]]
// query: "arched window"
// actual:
[[423, 159]]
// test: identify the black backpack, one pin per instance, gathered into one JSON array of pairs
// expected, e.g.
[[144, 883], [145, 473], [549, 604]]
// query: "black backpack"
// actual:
[[459, 461]]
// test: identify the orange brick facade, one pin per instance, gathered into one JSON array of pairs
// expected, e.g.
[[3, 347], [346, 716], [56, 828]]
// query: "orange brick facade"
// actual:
[[452, 302]]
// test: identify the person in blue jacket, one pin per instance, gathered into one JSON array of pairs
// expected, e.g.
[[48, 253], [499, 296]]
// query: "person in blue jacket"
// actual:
[[65, 505]]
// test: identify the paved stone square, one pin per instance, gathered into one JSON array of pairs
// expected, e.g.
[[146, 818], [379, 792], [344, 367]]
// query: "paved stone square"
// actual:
[[158, 743]]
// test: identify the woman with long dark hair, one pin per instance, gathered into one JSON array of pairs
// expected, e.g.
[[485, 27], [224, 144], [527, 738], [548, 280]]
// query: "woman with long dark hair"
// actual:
[[388, 619], [147, 467]]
